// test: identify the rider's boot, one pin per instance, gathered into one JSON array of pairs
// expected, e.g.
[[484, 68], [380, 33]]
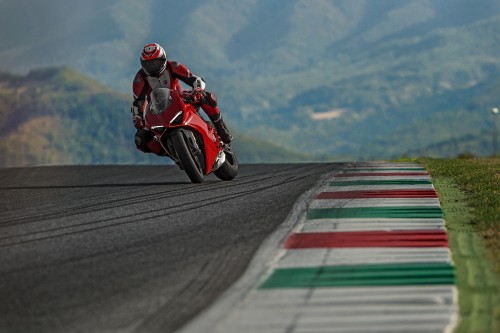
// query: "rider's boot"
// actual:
[[221, 128]]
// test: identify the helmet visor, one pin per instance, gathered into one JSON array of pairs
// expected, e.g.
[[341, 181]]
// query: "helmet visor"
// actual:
[[154, 66]]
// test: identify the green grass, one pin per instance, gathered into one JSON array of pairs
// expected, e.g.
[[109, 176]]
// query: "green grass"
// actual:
[[469, 192], [479, 180]]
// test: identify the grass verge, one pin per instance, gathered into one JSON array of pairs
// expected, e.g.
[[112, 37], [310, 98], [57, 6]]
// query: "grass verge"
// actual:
[[469, 192]]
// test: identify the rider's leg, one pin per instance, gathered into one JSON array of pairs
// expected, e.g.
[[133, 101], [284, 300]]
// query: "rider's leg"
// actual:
[[142, 138], [212, 110]]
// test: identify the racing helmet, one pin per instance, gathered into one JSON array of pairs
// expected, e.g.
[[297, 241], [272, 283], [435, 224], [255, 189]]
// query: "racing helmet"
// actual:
[[153, 59]]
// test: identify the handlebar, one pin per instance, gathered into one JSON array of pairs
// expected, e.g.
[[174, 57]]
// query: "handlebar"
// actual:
[[192, 96]]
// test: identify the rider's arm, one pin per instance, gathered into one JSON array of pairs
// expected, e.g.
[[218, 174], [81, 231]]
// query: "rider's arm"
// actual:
[[179, 71], [139, 89]]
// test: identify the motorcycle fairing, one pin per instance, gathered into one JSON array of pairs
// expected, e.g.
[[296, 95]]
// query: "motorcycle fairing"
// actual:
[[191, 121]]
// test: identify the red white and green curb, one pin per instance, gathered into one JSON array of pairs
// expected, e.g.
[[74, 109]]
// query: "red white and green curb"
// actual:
[[368, 254]]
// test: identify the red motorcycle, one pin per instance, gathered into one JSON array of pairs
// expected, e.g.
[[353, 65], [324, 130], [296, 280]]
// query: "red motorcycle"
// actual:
[[183, 135]]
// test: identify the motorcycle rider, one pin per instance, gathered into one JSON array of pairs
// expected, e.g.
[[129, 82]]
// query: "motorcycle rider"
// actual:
[[159, 72]]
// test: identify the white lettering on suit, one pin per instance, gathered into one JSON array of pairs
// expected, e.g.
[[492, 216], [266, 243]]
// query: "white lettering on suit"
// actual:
[[163, 81]]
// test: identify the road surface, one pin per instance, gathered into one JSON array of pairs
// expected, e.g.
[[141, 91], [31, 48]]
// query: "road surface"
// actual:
[[131, 248]]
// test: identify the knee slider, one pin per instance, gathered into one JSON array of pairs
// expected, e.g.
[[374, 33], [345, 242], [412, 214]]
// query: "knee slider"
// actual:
[[138, 141], [142, 138]]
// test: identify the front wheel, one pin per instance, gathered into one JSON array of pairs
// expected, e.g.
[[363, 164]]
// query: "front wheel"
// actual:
[[229, 169], [187, 157]]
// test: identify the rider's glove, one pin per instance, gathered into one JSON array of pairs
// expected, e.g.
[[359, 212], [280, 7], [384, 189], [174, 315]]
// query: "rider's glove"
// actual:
[[138, 122], [197, 95]]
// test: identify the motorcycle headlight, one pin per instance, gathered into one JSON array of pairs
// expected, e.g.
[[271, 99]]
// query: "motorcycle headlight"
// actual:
[[177, 119], [158, 129]]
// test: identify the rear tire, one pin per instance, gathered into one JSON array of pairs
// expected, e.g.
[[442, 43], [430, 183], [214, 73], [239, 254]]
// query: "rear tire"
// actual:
[[188, 159], [229, 169]]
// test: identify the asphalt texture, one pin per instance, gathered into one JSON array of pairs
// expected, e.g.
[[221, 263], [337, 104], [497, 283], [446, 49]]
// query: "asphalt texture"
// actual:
[[131, 248]]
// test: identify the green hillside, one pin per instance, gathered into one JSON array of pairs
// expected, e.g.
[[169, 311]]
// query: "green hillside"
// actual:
[[59, 116]]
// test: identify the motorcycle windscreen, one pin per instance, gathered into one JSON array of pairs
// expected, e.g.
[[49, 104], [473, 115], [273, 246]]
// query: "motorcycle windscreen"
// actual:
[[160, 100]]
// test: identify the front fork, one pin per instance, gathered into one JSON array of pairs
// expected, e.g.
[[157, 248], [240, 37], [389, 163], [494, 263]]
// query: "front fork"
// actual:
[[191, 142]]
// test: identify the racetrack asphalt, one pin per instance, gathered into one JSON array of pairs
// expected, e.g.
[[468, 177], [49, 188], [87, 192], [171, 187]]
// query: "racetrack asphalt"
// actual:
[[131, 248]]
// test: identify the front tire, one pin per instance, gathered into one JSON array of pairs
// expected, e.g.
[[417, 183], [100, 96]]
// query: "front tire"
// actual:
[[188, 159]]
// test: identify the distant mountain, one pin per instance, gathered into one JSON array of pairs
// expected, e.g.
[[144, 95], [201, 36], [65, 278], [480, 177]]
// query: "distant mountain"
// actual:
[[59, 116], [355, 79]]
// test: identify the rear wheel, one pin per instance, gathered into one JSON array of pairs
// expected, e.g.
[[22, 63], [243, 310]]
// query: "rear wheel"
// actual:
[[187, 157], [229, 169]]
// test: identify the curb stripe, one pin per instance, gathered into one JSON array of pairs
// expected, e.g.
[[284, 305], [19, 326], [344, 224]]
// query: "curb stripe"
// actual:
[[378, 202], [363, 256], [401, 309], [417, 238], [378, 194], [331, 225], [382, 169], [381, 182], [361, 275], [381, 174], [375, 212]]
